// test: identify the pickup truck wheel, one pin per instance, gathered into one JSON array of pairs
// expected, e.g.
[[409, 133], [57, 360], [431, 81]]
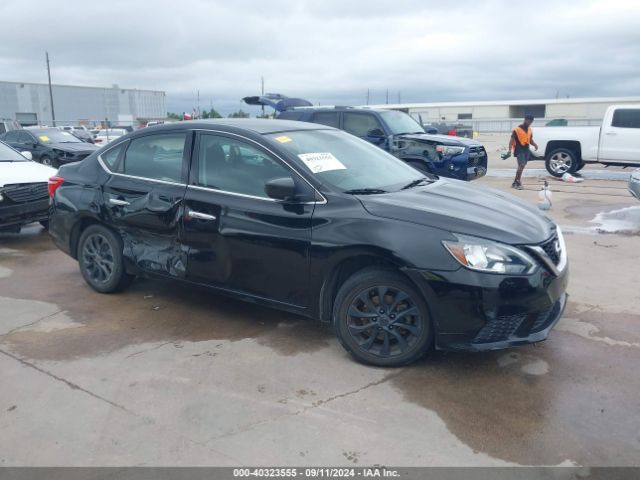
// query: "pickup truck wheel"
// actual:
[[561, 161], [581, 165], [381, 319]]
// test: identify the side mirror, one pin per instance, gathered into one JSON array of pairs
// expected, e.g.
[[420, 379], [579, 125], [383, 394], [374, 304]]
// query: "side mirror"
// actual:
[[375, 133], [281, 188], [27, 155]]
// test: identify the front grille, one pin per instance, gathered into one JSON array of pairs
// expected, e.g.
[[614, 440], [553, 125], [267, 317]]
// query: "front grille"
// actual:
[[509, 327], [552, 249], [499, 328], [545, 317], [26, 192], [477, 156]]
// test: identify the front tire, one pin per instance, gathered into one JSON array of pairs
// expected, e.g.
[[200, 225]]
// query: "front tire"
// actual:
[[381, 319], [561, 161], [101, 261]]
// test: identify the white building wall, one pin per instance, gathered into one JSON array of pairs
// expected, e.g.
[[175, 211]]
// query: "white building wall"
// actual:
[[75, 104]]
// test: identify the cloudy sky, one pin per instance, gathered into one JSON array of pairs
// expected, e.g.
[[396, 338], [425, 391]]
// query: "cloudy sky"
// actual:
[[328, 51]]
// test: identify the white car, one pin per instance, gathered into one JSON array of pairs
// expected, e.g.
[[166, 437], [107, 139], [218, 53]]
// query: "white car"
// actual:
[[615, 143], [23, 190], [108, 135]]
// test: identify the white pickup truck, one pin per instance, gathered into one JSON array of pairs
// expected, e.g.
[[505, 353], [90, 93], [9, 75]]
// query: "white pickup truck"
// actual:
[[616, 142]]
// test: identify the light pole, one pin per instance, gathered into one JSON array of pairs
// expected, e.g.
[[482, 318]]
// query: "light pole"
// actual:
[[53, 113]]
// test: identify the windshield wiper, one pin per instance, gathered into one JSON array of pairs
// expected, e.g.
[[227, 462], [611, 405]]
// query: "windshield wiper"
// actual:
[[417, 182], [365, 191]]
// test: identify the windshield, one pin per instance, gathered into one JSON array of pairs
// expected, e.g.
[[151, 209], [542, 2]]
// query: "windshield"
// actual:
[[346, 162], [400, 122], [54, 136], [8, 154]]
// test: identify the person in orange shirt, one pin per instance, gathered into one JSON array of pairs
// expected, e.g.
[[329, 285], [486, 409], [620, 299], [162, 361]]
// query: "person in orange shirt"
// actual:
[[521, 139]]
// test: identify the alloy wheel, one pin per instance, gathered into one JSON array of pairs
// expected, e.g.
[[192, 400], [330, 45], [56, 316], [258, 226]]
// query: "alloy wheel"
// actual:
[[560, 162], [384, 321], [98, 259]]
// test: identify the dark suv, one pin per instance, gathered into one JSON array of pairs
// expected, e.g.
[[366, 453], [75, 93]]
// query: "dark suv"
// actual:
[[310, 219]]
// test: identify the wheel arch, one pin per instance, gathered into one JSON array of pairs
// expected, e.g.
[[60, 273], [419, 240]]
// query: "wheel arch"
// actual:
[[572, 145], [344, 269]]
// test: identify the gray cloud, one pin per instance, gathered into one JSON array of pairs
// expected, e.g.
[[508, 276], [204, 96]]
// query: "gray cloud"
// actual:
[[330, 51]]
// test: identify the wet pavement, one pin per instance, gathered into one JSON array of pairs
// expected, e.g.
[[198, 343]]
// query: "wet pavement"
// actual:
[[167, 374]]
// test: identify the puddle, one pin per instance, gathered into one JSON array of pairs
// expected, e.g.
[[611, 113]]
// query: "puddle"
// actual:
[[149, 311], [624, 221]]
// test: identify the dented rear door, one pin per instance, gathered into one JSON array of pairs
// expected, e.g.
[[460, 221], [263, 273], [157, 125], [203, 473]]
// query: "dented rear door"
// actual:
[[147, 211]]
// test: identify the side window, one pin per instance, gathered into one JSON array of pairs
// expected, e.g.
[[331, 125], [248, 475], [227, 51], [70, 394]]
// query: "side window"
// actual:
[[626, 118], [11, 136], [25, 138], [235, 166], [3, 129], [111, 156], [157, 156], [326, 118], [360, 124]]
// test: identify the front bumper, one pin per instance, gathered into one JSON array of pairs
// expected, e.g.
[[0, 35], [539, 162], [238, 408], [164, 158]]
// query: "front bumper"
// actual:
[[23, 213], [476, 311]]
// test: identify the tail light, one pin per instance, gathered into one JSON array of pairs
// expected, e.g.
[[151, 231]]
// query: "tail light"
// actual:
[[54, 183], [97, 140]]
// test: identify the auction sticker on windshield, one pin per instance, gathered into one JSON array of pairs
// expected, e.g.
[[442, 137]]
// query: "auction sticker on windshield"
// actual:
[[321, 162]]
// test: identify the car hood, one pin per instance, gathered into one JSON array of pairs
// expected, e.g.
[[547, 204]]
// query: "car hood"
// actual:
[[459, 207], [73, 147], [442, 139], [24, 172]]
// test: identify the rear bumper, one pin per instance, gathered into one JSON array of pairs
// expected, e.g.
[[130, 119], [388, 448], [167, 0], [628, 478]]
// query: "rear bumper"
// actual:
[[475, 311], [23, 213]]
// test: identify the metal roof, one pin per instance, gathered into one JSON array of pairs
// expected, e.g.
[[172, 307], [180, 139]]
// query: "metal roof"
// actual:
[[471, 103]]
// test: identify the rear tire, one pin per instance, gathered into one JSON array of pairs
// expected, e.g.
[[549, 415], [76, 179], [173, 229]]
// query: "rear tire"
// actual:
[[561, 161], [381, 319], [101, 261]]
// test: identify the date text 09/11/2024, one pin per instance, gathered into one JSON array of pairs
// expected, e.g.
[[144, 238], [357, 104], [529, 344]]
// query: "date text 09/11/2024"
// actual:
[[374, 472]]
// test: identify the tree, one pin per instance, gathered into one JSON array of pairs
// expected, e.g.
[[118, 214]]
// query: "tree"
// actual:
[[213, 113], [174, 116], [239, 114]]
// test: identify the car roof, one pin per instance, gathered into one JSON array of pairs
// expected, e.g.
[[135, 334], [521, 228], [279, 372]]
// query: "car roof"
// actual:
[[257, 125]]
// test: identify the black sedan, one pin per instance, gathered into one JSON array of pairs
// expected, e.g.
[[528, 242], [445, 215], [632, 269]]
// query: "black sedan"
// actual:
[[312, 220], [49, 146]]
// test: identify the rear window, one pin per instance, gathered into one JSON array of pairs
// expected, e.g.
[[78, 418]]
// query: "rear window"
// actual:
[[329, 119], [291, 115], [626, 118]]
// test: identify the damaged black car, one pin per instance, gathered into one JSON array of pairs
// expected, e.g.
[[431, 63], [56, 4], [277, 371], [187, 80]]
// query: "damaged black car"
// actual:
[[312, 220]]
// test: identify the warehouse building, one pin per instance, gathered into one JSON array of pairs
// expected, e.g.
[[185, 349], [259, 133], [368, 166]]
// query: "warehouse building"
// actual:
[[29, 103], [501, 115]]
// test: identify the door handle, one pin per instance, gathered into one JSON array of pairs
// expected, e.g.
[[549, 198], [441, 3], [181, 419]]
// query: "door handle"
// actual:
[[610, 133], [116, 201], [200, 215]]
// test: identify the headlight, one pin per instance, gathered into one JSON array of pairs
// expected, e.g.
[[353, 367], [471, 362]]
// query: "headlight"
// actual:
[[487, 256], [448, 150]]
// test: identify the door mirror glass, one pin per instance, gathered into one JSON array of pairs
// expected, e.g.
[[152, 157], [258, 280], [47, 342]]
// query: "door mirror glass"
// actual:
[[281, 188]]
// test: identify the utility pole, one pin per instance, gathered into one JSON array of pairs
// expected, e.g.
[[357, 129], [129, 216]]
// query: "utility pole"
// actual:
[[53, 113], [399, 97], [262, 92], [387, 96], [198, 103], [367, 96]]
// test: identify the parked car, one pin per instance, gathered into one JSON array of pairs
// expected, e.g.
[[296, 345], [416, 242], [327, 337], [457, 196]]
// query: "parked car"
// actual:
[[81, 132], [453, 129], [615, 143], [49, 146], [310, 219], [23, 190], [7, 125], [634, 184], [108, 135]]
